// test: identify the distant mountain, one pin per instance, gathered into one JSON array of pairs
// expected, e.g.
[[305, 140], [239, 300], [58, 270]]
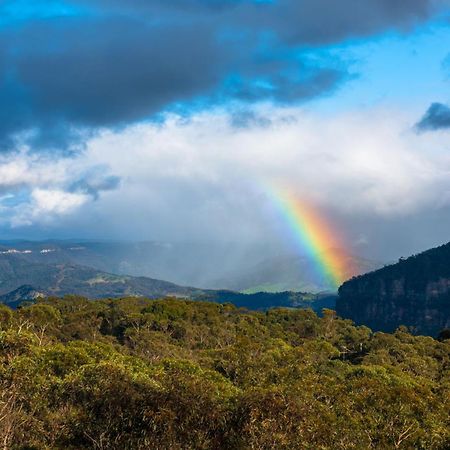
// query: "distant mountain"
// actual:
[[21, 294], [293, 273], [192, 264], [67, 278], [22, 280], [207, 266], [414, 292]]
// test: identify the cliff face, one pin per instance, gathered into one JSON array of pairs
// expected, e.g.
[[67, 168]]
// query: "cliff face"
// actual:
[[414, 292]]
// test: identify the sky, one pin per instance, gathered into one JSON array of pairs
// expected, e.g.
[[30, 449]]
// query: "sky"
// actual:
[[171, 121]]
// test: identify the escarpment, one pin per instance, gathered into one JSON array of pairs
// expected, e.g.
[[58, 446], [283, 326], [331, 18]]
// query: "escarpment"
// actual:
[[414, 292]]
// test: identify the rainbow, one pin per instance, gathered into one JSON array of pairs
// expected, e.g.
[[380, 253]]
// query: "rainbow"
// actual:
[[312, 234]]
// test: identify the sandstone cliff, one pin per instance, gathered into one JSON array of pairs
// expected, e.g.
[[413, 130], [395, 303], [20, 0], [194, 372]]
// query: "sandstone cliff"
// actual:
[[414, 292]]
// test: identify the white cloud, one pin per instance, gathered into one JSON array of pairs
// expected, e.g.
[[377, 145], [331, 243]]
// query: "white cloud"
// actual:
[[369, 162], [24, 168], [204, 178], [46, 204], [40, 188], [55, 201]]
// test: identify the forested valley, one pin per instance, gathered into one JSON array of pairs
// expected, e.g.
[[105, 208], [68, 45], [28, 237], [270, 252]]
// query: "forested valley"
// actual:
[[178, 374]]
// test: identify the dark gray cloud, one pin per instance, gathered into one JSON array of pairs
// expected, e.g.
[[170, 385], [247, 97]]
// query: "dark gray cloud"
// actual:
[[306, 21], [95, 184], [437, 117], [119, 71], [100, 73], [125, 61], [325, 21]]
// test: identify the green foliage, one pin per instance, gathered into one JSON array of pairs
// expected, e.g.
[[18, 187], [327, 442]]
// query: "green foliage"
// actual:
[[175, 374]]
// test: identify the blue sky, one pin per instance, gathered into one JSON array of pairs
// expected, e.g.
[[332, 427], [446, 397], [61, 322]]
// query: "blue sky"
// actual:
[[155, 109], [406, 69], [16, 13]]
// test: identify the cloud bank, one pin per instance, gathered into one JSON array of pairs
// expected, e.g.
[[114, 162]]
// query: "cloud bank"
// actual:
[[206, 177], [170, 120]]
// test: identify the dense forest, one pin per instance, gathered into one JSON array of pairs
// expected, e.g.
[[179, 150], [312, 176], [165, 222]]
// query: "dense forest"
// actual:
[[177, 374]]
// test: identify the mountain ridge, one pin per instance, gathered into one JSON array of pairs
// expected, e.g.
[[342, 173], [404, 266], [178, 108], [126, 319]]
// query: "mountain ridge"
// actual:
[[19, 278], [69, 278], [414, 292], [191, 264]]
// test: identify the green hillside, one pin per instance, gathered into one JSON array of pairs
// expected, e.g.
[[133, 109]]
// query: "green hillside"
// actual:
[[68, 278]]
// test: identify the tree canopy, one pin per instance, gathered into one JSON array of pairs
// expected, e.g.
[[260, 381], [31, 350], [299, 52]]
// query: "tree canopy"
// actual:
[[136, 373]]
